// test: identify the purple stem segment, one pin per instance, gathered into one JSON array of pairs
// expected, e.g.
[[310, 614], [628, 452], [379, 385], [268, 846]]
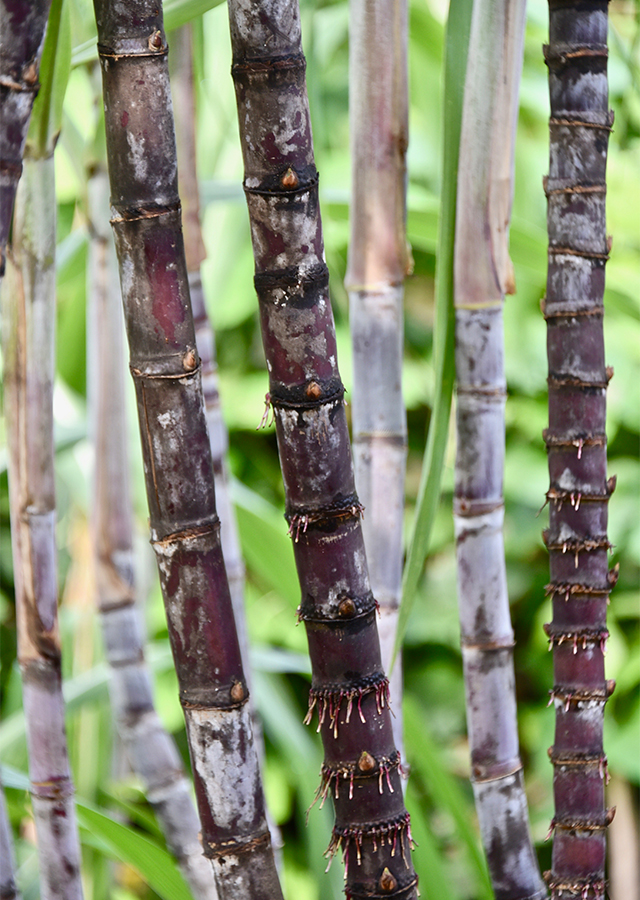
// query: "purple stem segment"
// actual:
[[185, 529], [349, 690], [579, 490]]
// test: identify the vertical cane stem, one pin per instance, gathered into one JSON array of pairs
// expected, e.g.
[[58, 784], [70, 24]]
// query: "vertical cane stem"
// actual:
[[579, 491]]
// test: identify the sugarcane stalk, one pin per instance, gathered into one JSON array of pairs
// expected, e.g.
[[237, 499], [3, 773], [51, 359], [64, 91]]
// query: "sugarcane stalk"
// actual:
[[378, 261], [349, 691], [28, 340], [482, 276], [150, 749], [183, 90], [8, 887], [579, 490], [22, 27], [185, 529]]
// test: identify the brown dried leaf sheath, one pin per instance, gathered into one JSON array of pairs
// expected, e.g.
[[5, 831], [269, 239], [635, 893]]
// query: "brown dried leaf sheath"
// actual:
[[306, 395], [579, 491], [176, 449]]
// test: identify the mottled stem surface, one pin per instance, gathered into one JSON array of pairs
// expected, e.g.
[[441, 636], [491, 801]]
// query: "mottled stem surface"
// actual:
[[185, 529], [183, 89], [22, 26], [377, 264], [579, 491], [29, 362], [151, 751], [349, 690], [482, 272]]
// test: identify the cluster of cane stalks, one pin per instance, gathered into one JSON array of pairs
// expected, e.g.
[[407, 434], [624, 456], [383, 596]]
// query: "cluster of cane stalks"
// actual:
[[172, 361]]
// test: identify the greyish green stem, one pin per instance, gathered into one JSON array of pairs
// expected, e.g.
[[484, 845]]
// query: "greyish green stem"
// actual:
[[377, 264], [482, 276], [29, 362]]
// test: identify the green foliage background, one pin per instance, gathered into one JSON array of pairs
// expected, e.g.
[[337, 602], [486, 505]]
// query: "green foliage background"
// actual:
[[448, 857]]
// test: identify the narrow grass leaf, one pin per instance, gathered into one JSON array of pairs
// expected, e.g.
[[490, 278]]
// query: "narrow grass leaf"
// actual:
[[55, 68], [154, 864], [428, 765], [457, 42]]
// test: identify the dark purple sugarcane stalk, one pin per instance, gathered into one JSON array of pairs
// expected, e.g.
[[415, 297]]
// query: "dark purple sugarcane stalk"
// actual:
[[183, 90], [185, 529], [579, 490], [8, 886], [483, 275], [378, 262], [349, 693], [22, 27], [151, 751], [28, 309]]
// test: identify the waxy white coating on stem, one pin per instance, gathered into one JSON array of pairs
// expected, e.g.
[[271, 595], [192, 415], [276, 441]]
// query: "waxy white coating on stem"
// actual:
[[482, 274], [29, 357], [176, 448], [378, 261]]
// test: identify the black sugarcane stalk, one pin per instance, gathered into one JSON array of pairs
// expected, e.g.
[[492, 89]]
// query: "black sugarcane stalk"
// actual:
[[185, 529], [151, 751], [349, 690], [579, 490], [183, 90], [483, 275], [22, 27]]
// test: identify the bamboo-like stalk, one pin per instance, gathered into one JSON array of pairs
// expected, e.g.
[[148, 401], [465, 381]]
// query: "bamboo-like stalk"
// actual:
[[377, 264], [482, 276], [185, 529], [8, 887], [22, 26], [349, 689], [576, 442], [28, 340], [183, 90], [150, 749]]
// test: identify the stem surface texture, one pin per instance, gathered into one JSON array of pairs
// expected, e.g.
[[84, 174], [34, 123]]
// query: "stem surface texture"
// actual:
[[151, 751], [185, 529], [483, 275], [579, 491], [29, 364], [377, 264], [22, 26], [349, 692]]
